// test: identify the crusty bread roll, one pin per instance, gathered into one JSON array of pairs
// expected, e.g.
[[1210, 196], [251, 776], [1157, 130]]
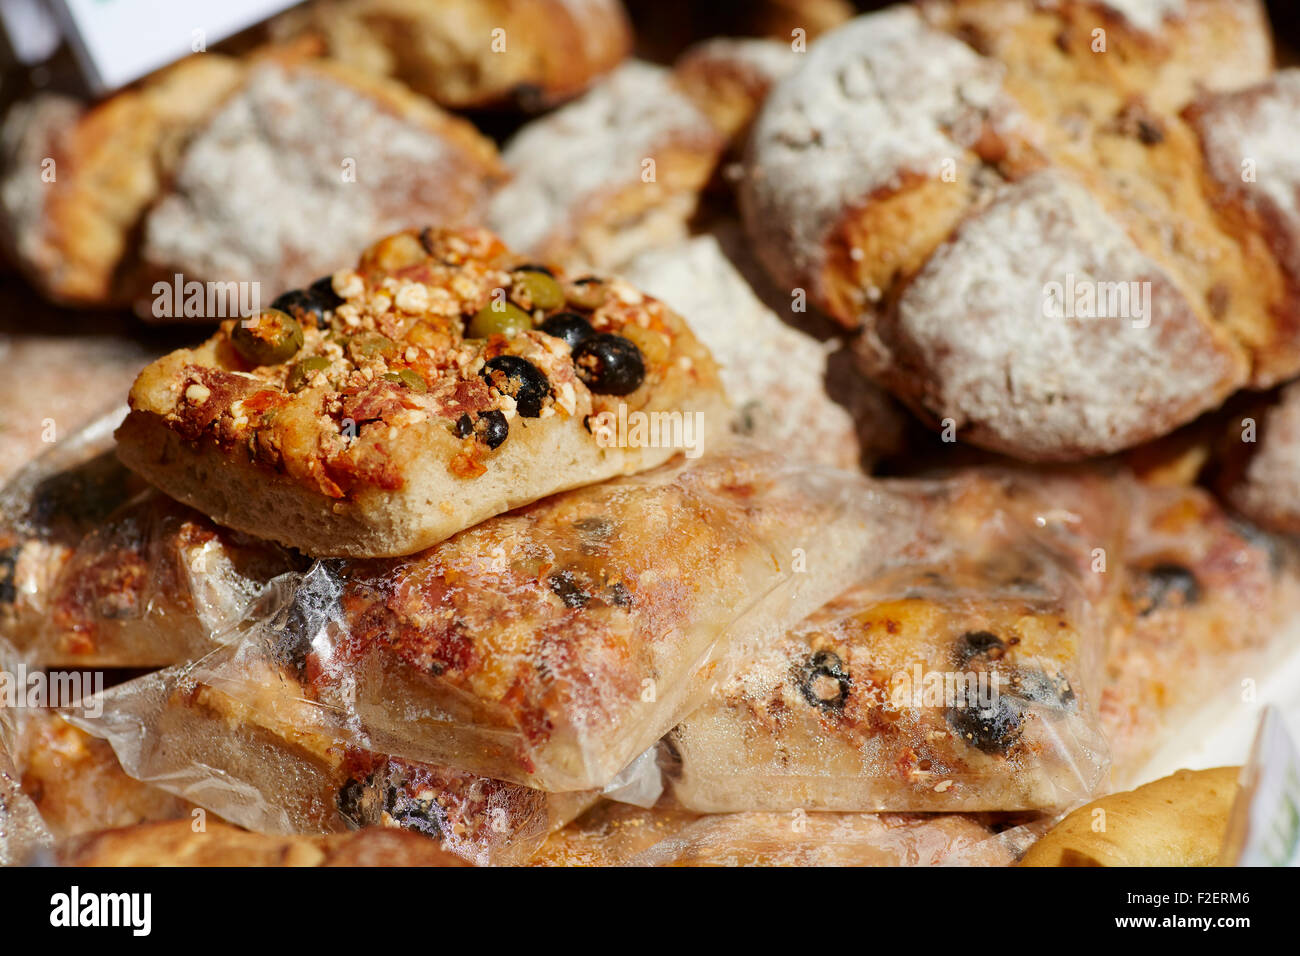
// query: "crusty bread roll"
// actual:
[[267, 171], [614, 173], [448, 50], [1178, 820]]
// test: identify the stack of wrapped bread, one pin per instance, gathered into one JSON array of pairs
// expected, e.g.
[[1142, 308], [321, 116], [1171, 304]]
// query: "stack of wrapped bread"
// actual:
[[863, 441]]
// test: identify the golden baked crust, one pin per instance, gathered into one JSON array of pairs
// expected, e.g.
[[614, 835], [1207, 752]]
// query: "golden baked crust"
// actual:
[[250, 753], [1179, 820], [99, 570], [111, 162], [444, 49], [177, 844], [407, 429], [617, 171]]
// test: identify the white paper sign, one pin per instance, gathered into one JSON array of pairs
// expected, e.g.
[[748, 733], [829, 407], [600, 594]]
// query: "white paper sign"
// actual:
[[1265, 826], [117, 41]]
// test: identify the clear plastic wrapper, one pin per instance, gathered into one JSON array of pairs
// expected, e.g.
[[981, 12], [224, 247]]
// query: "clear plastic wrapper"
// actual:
[[966, 680], [97, 570], [23, 833], [77, 784], [1207, 601], [257, 763], [620, 835], [552, 645], [832, 839]]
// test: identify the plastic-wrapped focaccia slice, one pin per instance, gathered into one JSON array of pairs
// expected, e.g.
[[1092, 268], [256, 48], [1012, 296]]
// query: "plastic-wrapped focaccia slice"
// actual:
[[252, 762], [96, 570], [22, 831], [966, 681], [1207, 602], [832, 839], [552, 645]]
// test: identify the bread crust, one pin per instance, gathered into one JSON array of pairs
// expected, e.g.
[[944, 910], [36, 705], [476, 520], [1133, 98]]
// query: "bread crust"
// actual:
[[1179, 820]]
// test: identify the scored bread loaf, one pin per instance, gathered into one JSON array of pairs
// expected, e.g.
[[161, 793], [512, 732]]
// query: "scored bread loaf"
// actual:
[[267, 171], [1025, 230]]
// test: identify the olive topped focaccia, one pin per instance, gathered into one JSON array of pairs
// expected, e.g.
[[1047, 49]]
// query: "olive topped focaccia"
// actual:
[[442, 381], [553, 645], [964, 681]]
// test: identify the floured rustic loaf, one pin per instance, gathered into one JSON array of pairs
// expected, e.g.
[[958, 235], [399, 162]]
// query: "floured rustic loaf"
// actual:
[[1038, 249], [443, 381], [268, 171], [613, 173], [450, 50]]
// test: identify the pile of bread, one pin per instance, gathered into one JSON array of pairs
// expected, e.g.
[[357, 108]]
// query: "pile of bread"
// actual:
[[975, 321]]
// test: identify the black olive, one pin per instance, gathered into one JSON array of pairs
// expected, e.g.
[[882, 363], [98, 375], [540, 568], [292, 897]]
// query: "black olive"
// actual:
[[491, 428], [818, 675], [570, 590], [609, 364], [8, 591], [534, 267], [991, 730], [1037, 687], [619, 595], [303, 306], [323, 290], [569, 326], [521, 380], [411, 813], [1165, 585], [357, 802], [974, 644]]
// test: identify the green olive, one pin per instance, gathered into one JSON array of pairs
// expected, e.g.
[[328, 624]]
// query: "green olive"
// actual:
[[268, 338], [504, 318], [408, 377], [302, 371], [370, 344], [539, 290], [588, 292]]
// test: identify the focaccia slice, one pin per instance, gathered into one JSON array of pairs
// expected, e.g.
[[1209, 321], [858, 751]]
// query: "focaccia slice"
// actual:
[[552, 645], [442, 382], [99, 570], [254, 761], [964, 681]]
